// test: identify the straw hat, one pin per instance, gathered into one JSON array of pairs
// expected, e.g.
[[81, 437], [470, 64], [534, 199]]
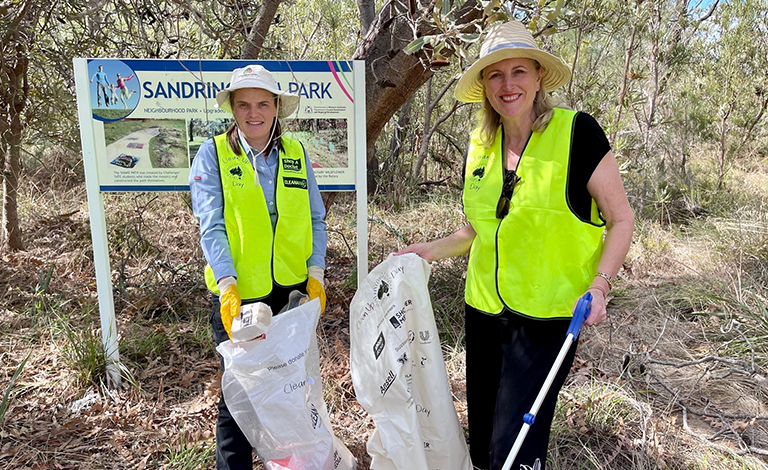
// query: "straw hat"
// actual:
[[510, 40], [256, 76]]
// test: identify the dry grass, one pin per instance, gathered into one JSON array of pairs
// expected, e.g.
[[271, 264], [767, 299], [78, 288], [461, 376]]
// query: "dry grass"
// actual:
[[636, 399]]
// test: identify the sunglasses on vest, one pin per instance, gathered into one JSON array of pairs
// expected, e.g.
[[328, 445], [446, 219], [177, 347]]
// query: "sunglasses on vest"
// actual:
[[510, 180]]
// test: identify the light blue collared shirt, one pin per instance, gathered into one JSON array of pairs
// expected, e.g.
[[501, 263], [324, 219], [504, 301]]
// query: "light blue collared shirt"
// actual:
[[208, 205], [100, 77]]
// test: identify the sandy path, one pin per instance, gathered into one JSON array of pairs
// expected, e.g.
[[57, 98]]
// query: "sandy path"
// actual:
[[135, 144]]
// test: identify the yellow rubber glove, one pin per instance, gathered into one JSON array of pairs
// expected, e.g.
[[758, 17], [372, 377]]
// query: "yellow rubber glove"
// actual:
[[230, 302], [316, 285]]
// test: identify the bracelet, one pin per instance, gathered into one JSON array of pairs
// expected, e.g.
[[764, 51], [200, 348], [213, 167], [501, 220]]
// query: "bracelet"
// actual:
[[607, 278]]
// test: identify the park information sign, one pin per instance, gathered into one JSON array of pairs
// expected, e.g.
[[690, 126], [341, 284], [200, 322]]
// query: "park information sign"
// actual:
[[149, 117], [142, 122]]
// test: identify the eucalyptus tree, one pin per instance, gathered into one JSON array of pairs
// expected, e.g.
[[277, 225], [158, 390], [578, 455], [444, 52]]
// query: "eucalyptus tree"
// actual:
[[40, 39], [409, 40], [734, 78], [18, 23]]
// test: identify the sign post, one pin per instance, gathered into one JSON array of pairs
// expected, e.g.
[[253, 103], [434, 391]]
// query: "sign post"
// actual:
[[142, 121]]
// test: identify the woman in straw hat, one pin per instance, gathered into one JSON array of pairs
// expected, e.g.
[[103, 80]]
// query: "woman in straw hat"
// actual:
[[261, 219], [541, 187]]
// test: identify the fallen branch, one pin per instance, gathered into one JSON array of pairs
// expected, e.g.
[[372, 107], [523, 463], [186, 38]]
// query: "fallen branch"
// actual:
[[434, 182]]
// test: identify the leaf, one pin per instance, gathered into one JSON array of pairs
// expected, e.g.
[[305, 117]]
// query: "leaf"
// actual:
[[436, 16], [463, 53], [415, 45], [555, 11], [6, 397], [549, 31], [469, 37], [489, 7], [446, 7]]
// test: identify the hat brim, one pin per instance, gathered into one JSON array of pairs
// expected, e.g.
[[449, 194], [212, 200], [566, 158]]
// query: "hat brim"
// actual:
[[289, 102], [470, 88]]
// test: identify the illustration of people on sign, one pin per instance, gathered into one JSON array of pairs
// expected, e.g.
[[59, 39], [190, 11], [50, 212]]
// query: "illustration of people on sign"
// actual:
[[102, 82], [112, 94], [105, 93], [125, 92]]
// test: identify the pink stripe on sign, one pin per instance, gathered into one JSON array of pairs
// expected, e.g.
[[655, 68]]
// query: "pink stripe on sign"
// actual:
[[333, 71]]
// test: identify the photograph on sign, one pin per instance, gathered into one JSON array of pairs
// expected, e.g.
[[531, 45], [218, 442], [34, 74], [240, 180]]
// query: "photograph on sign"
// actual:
[[150, 117]]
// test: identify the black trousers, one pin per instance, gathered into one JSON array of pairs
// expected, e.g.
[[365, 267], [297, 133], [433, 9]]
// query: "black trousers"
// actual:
[[508, 359], [233, 451]]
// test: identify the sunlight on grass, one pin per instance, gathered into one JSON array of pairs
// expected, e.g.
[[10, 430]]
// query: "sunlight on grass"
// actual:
[[7, 395], [190, 455]]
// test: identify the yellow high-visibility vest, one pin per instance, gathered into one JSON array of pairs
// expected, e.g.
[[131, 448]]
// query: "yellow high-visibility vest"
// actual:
[[261, 256], [541, 257]]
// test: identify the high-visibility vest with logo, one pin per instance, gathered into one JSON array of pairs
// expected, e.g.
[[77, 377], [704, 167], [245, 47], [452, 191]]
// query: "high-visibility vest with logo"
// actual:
[[260, 256], [541, 257]]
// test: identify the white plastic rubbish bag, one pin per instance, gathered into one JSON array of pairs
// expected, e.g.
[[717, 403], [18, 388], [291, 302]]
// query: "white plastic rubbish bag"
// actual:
[[273, 389], [399, 374]]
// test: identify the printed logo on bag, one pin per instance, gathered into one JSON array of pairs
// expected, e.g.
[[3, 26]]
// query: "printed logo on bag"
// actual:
[[423, 361], [479, 173], [427, 445], [403, 359], [424, 337], [383, 290], [314, 415], [421, 409], [387, 383], [368, 310], [378, 346], [291, 164], [247, 318], [400, 346], [292, 387], [294, 182], [411, 336], [336, 458], [393, 274], [398, 318]]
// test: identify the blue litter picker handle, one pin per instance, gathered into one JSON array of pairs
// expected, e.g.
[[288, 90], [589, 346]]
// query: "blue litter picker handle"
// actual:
[[580, 314]]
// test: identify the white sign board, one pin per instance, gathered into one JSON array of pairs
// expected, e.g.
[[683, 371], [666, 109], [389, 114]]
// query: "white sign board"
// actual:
[[150, 116], [142, 121]]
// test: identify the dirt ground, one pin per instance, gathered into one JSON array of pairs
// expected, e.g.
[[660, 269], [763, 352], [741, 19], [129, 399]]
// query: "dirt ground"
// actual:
[[653, 387]]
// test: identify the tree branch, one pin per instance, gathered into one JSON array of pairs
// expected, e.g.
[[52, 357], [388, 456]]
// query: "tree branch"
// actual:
[[255, 39]]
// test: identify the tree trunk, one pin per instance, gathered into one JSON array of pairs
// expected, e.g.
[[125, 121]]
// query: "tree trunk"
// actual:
[[400, 133], [11, 186], [424, 147], [14, 90], [255, 39], [429, 128], [625, 77], [391, 75], [578, 48], [723, 145], [367, 10]]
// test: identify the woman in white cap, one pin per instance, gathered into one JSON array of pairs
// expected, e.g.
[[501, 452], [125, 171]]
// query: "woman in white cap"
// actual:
[[541, 187], [261, 220]]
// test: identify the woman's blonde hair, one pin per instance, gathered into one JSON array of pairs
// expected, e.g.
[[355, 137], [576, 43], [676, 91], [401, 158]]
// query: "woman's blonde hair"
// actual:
[[543, 108]]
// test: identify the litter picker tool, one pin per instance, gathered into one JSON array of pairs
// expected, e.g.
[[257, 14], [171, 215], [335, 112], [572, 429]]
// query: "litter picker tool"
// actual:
[[583, 307]]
